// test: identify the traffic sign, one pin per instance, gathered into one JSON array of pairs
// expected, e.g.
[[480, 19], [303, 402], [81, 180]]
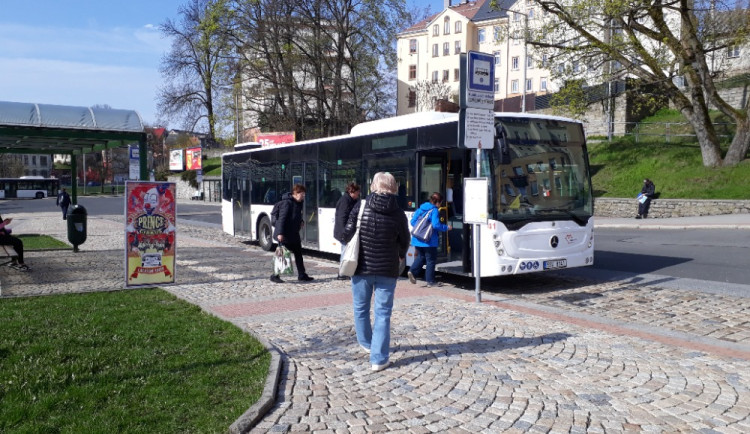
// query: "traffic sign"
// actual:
[[480, 80]]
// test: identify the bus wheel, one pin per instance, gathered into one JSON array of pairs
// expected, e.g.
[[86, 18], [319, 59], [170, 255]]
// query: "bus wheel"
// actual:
[[265, 234], [39, 195]]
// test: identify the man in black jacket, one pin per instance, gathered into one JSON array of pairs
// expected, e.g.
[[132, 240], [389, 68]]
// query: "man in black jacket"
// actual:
[[63, 201], [287, 227], [343, 209], [644, 199], [383, 241]]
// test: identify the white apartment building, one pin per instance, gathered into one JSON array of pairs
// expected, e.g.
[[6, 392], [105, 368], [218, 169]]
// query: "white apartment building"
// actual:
[[430, 49]]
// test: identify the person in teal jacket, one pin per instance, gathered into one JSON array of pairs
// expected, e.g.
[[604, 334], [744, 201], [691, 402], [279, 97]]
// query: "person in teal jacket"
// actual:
[[426, 253]]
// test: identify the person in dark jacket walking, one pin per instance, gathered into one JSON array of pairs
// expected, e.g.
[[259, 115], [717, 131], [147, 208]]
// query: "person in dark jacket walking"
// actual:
[[63, 201], [343, 209], [287, 227], [644, 198], [426, 252], [383, 242]]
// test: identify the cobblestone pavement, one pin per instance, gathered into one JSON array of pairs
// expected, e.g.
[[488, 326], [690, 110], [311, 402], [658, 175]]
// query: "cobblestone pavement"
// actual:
[[565, 355]]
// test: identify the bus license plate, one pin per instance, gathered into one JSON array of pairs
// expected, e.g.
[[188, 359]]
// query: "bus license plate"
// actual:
[[555, 264]]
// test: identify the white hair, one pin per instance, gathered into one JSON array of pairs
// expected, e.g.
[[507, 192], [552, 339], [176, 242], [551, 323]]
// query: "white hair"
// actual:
[[383, 182]]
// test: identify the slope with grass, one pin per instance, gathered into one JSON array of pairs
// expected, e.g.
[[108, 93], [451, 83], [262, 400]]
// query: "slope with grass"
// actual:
[[676, 167]]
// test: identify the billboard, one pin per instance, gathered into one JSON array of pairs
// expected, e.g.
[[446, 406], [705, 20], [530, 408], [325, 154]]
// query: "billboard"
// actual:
[[193, 158], [272, 139], [175, 160], [150, 229]]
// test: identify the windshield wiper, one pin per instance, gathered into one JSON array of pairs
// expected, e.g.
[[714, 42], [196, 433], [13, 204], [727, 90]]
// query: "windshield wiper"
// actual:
[[578, 219]]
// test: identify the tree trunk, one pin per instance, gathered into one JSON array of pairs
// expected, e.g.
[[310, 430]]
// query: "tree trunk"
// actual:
[[705, 134], [740, 142]]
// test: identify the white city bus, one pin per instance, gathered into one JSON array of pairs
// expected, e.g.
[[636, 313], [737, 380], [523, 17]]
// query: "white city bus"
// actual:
[[30, 187], [540, 198]]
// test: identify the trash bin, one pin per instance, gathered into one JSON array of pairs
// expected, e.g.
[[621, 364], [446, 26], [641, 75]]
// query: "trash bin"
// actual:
[[77, 226]]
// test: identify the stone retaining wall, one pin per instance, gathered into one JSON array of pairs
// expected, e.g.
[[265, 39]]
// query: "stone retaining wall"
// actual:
[[661, 208]]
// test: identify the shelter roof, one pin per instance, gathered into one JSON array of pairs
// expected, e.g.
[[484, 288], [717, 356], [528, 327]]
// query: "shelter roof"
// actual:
[[29, 128]]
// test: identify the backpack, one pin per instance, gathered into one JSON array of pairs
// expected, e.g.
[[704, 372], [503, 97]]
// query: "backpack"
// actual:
[[275, 213]]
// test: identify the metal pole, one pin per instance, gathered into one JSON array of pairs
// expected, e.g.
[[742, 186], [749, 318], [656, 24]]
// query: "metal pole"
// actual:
[[525, 61], [475, 236]]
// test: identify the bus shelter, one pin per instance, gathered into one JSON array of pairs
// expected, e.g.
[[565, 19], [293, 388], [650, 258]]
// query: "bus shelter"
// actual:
[[28, 128]]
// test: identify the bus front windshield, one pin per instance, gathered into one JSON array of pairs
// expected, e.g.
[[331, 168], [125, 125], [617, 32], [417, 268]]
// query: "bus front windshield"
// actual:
[[540, 171]]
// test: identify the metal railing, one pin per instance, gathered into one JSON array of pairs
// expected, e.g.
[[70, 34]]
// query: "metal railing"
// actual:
[[669, 131]]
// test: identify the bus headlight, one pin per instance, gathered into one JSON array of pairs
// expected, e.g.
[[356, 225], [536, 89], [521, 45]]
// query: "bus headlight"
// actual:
[[498, 245], [591, 239]]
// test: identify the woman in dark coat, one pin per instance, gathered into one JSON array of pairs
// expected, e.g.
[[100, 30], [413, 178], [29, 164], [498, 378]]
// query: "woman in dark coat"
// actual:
[[343, 209], [383, 241], [287, 227]]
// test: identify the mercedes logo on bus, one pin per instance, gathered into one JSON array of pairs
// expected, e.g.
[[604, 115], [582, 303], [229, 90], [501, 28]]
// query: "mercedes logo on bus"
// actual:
[[554, 241]]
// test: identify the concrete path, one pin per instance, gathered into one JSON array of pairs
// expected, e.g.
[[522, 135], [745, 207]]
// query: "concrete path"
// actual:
[[568, 356]]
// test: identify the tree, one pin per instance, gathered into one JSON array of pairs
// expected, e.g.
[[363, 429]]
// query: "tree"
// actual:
[[658, 42], [10, 166], [316, 67], [196, 66], [428, 92]]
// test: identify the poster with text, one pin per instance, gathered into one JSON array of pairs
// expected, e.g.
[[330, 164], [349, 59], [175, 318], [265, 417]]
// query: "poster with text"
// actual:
[[193, 157], [150, 229]]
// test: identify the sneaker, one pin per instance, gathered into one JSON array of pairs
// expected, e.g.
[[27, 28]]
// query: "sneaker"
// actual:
[[412, 279], [21, 267], [276, 279], [343, 277], [638, 217], [376, 368], [304, 278], [433, 284], [367, 350]]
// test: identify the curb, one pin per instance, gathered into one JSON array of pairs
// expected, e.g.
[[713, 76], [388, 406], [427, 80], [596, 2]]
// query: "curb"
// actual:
[[249, 418]]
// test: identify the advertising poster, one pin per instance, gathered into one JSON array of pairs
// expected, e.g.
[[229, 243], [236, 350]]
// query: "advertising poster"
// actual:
[[193, 159], [175, 160], [272, 139], [150, 219]]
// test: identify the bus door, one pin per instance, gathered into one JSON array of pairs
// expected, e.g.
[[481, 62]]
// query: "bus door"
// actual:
[[241, 201], [433, 171], [306, 174]]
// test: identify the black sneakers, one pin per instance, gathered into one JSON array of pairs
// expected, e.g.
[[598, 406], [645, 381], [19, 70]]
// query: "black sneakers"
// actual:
[[304, 278], [276, 279], [343, 277]]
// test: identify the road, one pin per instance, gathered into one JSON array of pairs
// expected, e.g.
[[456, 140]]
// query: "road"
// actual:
[[678, 258]]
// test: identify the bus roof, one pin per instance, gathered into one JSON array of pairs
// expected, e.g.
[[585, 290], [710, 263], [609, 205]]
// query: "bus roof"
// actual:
[[403, 122]]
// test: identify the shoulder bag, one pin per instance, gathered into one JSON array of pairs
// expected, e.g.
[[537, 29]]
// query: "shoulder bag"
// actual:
[[422, 230], [348, 264]]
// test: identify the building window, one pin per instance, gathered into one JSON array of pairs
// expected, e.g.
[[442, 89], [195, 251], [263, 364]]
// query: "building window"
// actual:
[[514, 63], [733, 50], [412, 46], [497, 34], [43, 160], [529, 85], [530, 62], [543, 84], [576, 66], [26, 160], [434, 50], [480, 35], [496, 54], [514, 86], [412, 98], [33, 160], [456, 74], [545, 61], [447, 26], [446, 75], [412, 72], [434, 76], [446, 48], [436, 30], [457, 47], [496, 88], [530, 13], [458, 27], [516, 17]]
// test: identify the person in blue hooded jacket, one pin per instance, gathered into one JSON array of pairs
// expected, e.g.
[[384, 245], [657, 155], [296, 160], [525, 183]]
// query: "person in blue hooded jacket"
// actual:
[[426, 252]]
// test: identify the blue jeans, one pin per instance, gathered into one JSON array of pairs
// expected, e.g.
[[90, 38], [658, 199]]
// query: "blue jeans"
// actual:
[[428, 256], [377, 335]]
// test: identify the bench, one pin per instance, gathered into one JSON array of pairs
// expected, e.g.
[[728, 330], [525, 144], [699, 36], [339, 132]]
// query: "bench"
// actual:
[[9, 253]]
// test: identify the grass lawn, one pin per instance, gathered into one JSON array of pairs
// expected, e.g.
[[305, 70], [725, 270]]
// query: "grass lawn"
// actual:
[[37, 242], [137, 360]]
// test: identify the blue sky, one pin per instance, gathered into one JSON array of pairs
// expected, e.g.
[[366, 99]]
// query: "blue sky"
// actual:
[[83, 52]]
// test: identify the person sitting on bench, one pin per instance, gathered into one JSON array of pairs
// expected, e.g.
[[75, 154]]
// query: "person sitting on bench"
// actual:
[[7, 239]]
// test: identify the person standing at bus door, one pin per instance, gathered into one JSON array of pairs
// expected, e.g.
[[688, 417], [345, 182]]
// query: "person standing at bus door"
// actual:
[[63, 201], [343, 209], [383, 242], [287, 227], [644, 199], [7, 239], [426, 252]]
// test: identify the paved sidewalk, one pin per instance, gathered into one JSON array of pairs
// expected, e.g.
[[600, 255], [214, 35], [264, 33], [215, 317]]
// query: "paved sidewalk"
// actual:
[[576, 356]]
